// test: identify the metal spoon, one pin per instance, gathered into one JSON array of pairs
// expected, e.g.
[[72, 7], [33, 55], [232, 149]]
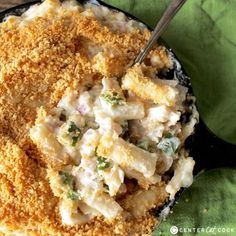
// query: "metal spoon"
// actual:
[[168, 15]]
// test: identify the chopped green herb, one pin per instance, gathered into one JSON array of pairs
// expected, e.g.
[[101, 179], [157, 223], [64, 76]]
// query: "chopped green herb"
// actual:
[[112, 98], [143, 144], [74, 140], [66, 178], [73, 127], [75, 132], [169, 145], [62, 117], [73, 195], [102, 163]]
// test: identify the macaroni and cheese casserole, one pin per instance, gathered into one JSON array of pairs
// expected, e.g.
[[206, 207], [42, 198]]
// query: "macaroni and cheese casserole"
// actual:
[[89, 145]]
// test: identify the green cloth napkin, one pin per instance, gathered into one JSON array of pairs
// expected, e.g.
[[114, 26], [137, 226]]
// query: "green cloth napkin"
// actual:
[[206, 208], [203, 36]]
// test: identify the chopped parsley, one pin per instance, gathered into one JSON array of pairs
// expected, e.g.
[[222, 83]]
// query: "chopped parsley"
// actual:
[[66, 178], [102, 163], [73, 195], [112, 98], [75, 132], [74, 140], [73, 127], [169, 144]]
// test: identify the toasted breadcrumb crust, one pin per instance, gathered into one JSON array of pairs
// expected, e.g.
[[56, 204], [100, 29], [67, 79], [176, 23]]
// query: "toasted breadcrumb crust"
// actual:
[[39, 62]]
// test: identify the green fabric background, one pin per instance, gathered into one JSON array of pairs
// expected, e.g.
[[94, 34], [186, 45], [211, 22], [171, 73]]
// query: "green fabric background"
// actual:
[[209, 202], [203, 36]]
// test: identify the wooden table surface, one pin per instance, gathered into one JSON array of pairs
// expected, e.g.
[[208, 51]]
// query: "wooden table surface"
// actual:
[[4, 4]]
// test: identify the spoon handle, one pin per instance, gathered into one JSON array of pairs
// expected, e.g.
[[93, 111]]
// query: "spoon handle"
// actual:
[[170, 12]]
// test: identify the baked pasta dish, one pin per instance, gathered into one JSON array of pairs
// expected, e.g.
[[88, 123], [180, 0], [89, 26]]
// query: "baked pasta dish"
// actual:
[[89, 145]]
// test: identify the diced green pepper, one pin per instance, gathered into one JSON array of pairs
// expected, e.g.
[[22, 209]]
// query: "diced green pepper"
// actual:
[[73, 195], [66, 178], [75, 132], [169, 144], [73, 127], [102, 163], [112, 98], [74, 140]]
